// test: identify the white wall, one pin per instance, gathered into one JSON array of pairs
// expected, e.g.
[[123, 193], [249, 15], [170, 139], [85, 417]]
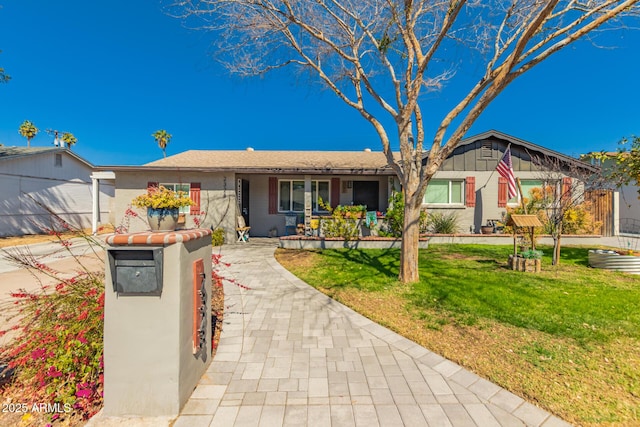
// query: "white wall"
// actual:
[[629, 209], [64, 191]]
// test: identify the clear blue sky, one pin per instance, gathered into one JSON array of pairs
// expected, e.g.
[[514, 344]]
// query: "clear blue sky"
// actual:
[[113, 72]]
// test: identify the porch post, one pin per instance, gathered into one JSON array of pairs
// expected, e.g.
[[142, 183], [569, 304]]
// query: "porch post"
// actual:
[[308, 205], [95, 205], [95, 197]]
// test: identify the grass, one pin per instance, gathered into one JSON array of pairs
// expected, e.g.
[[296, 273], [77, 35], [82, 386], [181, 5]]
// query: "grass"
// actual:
[[565, 339]]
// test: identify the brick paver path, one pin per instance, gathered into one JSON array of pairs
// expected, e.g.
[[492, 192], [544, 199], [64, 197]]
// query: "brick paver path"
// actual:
[[289, 355]]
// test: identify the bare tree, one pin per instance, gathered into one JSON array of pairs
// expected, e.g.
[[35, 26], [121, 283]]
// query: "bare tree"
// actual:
[[564, 196], [380, 56]]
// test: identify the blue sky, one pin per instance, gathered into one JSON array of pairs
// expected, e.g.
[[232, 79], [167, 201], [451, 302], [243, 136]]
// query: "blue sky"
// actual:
[[114, 72]]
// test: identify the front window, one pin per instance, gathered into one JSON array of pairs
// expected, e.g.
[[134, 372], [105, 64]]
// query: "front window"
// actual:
[[319, 190], [291, 195], [184, 188], [444, 192], [527, 185]]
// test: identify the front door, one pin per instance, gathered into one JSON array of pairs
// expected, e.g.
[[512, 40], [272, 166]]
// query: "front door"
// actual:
[[366, 193], [243, 199]]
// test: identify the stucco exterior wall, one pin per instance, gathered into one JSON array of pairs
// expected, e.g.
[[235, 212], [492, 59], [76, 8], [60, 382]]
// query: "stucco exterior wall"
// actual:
[[629, 209], [217, 199], [470, 218]]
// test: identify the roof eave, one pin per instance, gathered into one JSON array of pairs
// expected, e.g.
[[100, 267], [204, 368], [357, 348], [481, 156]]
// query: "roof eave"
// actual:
[[259, 170]]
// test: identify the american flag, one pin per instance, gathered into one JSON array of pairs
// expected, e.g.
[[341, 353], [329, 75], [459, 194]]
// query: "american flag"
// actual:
[[505, 169]]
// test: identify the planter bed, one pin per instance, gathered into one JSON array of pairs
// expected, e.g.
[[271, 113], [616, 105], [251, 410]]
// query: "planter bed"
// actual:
[[373, 242], [518, 263], [304, 242], [611, 260]]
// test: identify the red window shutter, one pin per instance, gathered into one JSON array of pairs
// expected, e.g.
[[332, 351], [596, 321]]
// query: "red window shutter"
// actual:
[[194, 193], [503, 192], [273, 195], [470, 191], [151, 185], [566, 189], [335, 192]]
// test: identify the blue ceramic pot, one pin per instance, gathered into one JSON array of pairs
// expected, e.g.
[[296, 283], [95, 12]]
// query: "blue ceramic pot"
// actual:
[[162, 219]]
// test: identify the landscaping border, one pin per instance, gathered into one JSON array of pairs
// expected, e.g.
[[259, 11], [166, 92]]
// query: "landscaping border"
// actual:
[[314, 242]]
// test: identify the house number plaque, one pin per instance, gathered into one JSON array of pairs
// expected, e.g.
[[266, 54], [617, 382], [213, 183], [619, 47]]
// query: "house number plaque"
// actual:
[[199, 306]]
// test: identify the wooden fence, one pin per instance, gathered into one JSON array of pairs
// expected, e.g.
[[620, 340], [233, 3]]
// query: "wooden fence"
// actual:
[[602, 210]]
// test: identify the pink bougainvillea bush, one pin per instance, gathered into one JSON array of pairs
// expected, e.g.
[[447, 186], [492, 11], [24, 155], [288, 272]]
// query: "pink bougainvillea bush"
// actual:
[[56, 355]]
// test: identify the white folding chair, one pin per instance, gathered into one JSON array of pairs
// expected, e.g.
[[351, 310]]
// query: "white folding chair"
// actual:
[[243, 230]]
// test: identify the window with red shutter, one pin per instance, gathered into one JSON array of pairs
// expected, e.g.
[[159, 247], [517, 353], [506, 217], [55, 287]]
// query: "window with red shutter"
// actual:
[[194, 193], [503, 192], [566, 189], [335, 192], [470, 191], [273, 195]]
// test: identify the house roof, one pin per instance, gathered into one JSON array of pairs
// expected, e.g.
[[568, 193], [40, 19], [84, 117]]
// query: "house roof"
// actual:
[[310, 162], [257, 161], [7, 153], [529, 146]]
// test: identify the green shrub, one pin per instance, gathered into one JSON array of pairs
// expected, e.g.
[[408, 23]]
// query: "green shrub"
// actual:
[[217, 237], [531, 254], [343, 222], [441, 223], [394, 217]]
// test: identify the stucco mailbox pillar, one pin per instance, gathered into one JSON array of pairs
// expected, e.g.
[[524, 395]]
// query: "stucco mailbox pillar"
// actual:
[[157, 322]]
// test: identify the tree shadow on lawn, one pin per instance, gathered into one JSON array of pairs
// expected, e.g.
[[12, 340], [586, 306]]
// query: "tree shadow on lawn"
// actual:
[[389, 267], [573, 255]]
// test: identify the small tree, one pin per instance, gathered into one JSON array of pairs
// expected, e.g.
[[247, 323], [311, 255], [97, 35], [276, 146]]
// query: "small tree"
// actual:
[[562, 197], [69, 139], [162, 137], [625, 168], [28, 130]]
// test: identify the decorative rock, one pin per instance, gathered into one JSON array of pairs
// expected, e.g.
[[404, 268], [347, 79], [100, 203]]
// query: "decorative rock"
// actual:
[[523, 264]]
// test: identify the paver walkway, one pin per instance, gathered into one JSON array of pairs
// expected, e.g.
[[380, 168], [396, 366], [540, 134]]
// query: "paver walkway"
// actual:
[[289, 355]]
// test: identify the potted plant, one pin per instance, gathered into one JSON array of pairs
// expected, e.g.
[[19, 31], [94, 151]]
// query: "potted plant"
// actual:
[[163, 207]]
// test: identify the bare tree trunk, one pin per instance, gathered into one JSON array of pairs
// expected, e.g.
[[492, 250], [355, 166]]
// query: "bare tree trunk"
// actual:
[[410, 235], [556, 245]]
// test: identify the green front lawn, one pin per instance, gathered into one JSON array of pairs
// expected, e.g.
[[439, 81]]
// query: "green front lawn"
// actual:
[[565, 339]]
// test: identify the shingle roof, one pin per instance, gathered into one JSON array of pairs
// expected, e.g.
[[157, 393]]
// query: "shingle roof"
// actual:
[[7, 153], [275, 160], [524, 221]]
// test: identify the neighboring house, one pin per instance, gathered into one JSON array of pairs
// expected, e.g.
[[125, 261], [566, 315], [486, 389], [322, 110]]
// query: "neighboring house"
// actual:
[[629, 217], [55, 177], [267, 186], [628, 207]]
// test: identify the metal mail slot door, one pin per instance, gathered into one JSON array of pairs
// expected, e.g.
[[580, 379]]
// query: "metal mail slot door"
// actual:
[[136, 271]]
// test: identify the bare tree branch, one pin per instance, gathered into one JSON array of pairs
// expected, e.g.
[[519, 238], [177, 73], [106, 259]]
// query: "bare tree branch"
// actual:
[[380, 56]]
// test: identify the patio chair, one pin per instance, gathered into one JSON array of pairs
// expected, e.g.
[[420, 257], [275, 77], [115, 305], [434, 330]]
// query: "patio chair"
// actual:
[[243, 230]]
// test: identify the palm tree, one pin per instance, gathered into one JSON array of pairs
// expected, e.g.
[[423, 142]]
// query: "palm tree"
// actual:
[[28, 130], [162, 138], [69, 139]]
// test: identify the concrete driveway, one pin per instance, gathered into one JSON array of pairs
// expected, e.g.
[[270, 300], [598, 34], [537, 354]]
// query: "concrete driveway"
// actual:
[[14, 278]]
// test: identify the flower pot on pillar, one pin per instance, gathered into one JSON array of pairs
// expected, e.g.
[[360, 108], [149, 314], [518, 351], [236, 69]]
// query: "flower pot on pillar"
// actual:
[[162, 219], [163, 207]]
